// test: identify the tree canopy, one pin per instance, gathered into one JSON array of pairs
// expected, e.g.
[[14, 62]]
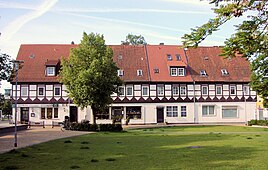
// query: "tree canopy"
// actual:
[[5, 66], [5, 105], [250, 39], [90, 74], [134, 40]]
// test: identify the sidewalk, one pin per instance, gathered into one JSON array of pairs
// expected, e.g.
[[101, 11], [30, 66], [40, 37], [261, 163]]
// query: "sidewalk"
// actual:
[[34, 135]]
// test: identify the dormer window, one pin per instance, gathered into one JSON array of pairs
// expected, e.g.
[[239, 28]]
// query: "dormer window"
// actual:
[[203, 73], [120, 72], [139, 72], [177, 71], [169, 57], [120, 57], [156, 70], [224, 72], [50, 71], [178, 57]]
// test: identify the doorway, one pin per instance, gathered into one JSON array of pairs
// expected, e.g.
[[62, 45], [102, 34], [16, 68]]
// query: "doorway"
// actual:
[[24, 115], [73, 114], [160, 114]]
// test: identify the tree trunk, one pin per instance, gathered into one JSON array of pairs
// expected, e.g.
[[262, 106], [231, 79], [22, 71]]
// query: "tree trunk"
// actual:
[[94, 114]]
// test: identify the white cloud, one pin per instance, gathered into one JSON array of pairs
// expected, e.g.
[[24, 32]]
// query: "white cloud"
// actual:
[[14, 5], [13, 27], [191, 2]]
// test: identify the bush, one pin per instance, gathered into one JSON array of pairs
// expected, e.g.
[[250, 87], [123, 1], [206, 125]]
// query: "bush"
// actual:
[[85, 126], [258, 122]]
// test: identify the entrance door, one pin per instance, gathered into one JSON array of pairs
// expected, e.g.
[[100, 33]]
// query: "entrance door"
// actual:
[[73, 114], [24, 114], [160, 115]]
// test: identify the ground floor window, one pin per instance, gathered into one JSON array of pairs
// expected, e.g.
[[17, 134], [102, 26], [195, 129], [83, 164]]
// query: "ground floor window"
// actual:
[[49, 113], [229, 112], [117, 113], [183, 111], [134, 112], [172, 111], [103, 114], [208, 110]]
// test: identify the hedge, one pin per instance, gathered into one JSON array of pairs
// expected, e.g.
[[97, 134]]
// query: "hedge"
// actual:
[[86, 126], [258, 122]]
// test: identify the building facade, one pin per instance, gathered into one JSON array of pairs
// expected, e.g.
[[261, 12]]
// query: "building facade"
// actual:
[[162, 84]]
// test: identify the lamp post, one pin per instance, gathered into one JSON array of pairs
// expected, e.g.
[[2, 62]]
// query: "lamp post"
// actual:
[[16, 66]]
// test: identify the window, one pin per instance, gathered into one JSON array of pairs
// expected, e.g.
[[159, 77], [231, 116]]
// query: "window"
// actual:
[[120, 72], [121, 90], [181, 72], [160, 90], [57, 91], [156, 70], [232, 90], [203, 73], [120, 57], [204, 90], [173, 71], [218, 90], [175, 90], [172, 111], [208, 110], [43, 113], [178, 57], [50, 71], [24, 91], [41, 91], [229, 112], [224, 72], [103, 114], [183, 111], [183, 90], [169, 57], [56, 113], [49, 113], [246, 90], [145, 90], [139, 72], [134, 112], [129, 91]]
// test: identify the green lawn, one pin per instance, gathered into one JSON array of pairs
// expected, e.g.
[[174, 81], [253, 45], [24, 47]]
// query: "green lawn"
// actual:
[[216, 147]]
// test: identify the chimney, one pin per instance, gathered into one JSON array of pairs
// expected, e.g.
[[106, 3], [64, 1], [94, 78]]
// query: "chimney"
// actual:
[[161, 44], [72, 42]]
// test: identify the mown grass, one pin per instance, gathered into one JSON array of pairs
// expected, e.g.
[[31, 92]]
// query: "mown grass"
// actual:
[[157, 148]]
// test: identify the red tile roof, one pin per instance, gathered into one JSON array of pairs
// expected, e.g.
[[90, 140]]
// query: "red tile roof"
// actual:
[[208, 59], [158, 60]]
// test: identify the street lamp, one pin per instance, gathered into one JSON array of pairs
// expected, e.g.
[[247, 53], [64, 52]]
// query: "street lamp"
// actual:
[[17, 64]]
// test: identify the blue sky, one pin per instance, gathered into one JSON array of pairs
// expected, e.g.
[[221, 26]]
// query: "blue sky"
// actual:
[[63, 21]]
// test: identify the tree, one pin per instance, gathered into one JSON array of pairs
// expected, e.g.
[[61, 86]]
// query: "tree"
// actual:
[[90, 74], [5, 66], [5, 106], [134, 40], [250, 39]]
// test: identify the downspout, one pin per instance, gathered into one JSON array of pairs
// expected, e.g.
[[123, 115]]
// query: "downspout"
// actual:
[[191, 74]]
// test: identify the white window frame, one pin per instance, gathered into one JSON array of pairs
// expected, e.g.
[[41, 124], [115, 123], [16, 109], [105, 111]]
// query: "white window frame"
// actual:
[[160, 90], [173, 71], [127, 91], [172, 111], [123, 91], [183, 111], [208, 110], [53, 113], [24, 91], [43, 91], [55, 91], [120, 72], [146, 88], [139, 72], [224, 72], [217, 90], [183, 88], [178, 57], [50, 71], [230, 107], [204, 87], [246, 90], [169, 57], [232, 88], [203, 73], [175, 90], [183, 71]]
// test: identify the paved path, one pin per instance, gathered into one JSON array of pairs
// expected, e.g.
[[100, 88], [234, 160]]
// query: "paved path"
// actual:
[[34, 135]]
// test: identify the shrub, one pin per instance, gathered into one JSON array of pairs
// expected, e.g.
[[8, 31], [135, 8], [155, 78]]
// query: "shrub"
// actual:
[[85, 126], [258, 122]]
